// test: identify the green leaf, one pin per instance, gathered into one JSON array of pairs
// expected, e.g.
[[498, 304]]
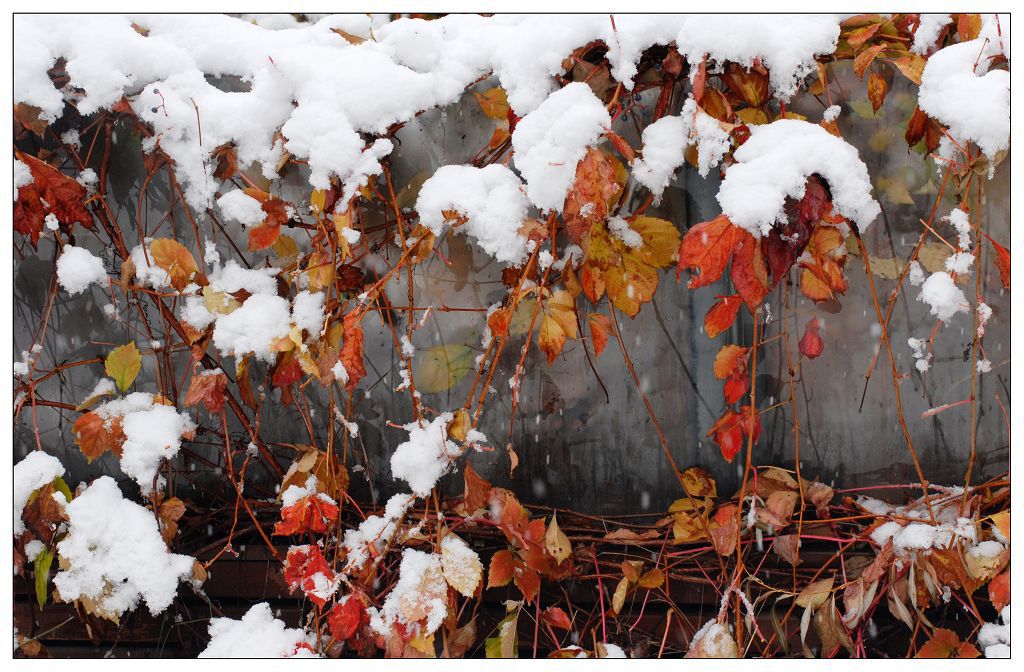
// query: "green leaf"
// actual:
[[62, 487], [123, 364], [42, 574], [504, 644], [442, 367]]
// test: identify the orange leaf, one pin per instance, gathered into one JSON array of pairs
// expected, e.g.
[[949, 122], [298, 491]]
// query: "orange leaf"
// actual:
[[558, 323], [208, 388], [95, 435], [528, 582], [721, 315], [729, 358], [865, 58], [877, 89], [501, 569], [351, 355], [556, 618], [727, 434], [175, 259], [598, 183], [600, 326], [263, 236], [999, 591], [707, 247], [310, 514], [946, 644], [749, 272]]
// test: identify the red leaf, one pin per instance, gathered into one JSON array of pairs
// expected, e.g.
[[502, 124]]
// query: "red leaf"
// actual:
[[999, 591], [728, 434], [811, 345], [51, 191], [749, 272], [1002, 263], [208, 387], [556, 618], [729, 359], [501, 569], [528, 581], [346, 619], [600, 326], [287, 371], [707, 247], [351, 355], [722, 314], [95, 435], [301, 568], [311, 513], [264, 236], [737, 385]]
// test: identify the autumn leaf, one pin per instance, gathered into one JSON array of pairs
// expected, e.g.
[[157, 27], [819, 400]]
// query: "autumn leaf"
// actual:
[[208, 388], [600, 327], [749, 271], [50, 192], [95, 435], [302, 566], [477, 491], [123, 365], [501, 569], [865, 58], [460, 565], [312, 513], [351, 355], [175, 259], [556, 618], [729, 359], [619, 597], [946, 644], [347, 618], [276, 210], [263, 236], [877, 89], [698, 482], [494, 103], [599, 181], [707, 248], [810, 344], [442, 367], [721, 315], [558, 322], [1002, 260], [556, 542], [727, 434]]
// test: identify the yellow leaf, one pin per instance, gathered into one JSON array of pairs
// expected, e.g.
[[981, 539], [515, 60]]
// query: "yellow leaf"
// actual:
[[123, 364], [556, 542], [698, 483], [815, 594], [558, 323], [442, 367], [460, 565], [619, 598], [494, 103]]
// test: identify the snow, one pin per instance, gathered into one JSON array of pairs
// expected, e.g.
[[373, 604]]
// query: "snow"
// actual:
[[960, 263], [22, 176], [295, 493], [253, 327], [33, 549], [77, 268], [239, 206], [831, 113], [490, 198], [114, 555], [322, 99], [153, 433], [551, 140], [619, 228], [152, 436], [232, 278], [713, 640], [376, 531], [33, 472], [994, 638], [308, 311], [665, 142], [921, 355], [775, 162], [943, 297], [613, 651], [148, 273], [785, 43], [916, 274], [419, 595], [257, 635], [426, 456], [921, 535], [461, 565], [928, 31], [972, 102]]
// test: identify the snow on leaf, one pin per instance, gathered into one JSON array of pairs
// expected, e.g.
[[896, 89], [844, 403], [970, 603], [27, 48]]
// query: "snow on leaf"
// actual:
[[95, 435], [50, 192], [175, 260], [123, 365], [208, 388], [460, 565]]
